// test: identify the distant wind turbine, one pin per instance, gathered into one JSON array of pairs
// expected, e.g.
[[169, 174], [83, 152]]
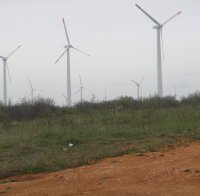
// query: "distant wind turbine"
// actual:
[[138, 84], [80, 89], [158, 27], [67, 50], [32, 90], [5, 66]]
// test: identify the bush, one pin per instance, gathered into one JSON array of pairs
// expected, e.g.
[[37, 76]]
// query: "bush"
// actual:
[[130, 103], [46, 108], [40, 108], [158, 102], [192, 99]]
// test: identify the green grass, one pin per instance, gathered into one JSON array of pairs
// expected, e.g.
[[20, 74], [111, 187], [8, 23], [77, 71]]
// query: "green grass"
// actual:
[[37, 146]]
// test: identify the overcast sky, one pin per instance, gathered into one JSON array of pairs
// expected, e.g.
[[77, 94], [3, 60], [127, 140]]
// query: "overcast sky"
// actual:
[[117, 35]]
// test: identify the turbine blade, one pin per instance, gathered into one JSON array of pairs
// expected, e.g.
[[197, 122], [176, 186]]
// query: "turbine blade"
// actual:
[[13, 51], [66, 31], [61, 55], [162, 45], [170, 18], [134, 82], [8, 71], [80, 51], [77, 91], [154, 20], [63, 95], [30, 84]]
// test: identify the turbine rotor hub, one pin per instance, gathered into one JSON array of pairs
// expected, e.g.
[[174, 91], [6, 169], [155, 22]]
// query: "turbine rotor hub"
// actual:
[[68, 46], [157, 27]]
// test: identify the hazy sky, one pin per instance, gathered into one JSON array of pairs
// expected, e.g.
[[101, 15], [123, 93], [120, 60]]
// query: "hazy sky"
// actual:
[[117, 35]]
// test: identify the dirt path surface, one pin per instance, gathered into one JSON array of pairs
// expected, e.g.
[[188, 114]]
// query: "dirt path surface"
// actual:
[[176, 172]]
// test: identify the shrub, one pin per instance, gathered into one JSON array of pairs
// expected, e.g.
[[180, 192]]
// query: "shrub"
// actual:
[[40, 108], [158, 102], [192, 99]]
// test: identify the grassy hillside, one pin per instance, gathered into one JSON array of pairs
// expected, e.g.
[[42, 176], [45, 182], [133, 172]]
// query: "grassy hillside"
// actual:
[[39, 143]]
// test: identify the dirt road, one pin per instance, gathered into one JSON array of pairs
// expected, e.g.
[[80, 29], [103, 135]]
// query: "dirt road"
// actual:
[[176, 172]]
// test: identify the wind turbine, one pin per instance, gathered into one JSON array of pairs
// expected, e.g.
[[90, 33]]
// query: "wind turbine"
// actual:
[[138, 84], [5, 66], [158, 27], [67, 50], [32, 90], [80, 89]]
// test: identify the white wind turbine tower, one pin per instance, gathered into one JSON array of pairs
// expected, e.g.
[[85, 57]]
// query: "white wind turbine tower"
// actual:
[[67, 50], [5, 66], [138, 84], [158, 27], [32, 90]]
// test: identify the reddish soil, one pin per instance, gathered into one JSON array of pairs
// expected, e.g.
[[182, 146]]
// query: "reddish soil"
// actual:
[[174, 172]]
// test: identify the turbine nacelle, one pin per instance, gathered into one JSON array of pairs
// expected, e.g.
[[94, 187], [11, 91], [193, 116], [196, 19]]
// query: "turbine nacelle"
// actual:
[[68, 46], [157, 26]]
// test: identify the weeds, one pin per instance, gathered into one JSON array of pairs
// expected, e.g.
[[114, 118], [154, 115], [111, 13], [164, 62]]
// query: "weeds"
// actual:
[[32, 143]]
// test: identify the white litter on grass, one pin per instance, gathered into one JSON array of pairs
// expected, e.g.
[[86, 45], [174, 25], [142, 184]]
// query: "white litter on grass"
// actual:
[[70, 145]]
